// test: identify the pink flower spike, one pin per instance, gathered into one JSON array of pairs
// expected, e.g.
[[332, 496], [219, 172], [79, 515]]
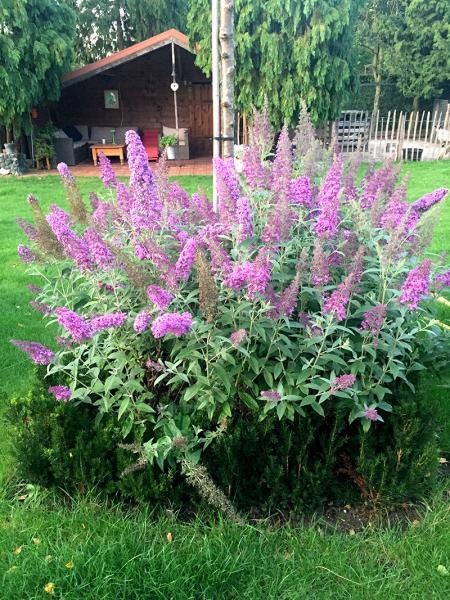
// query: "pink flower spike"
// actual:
[[371, 414]]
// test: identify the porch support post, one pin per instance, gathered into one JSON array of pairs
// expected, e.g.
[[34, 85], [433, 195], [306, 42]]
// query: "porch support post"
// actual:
[[215, 92], [174, 80]]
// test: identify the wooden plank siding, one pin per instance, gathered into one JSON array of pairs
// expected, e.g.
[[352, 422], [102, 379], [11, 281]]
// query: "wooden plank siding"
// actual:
[[145, 98]]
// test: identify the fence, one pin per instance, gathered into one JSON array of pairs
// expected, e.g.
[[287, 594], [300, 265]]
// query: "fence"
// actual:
[[399, 135]]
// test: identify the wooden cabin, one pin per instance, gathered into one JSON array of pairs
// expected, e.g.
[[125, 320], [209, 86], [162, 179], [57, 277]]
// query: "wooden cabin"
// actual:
[[132, 89]]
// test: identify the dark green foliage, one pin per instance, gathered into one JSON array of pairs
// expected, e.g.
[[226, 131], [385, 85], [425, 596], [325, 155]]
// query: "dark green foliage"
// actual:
[[286, 52], [301, 465], [36, 48], [290, 466], [105, 27], [398, 459], [58, 444]]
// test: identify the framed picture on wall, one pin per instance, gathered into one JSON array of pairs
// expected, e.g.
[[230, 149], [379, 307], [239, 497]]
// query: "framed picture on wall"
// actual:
[[111, 98]]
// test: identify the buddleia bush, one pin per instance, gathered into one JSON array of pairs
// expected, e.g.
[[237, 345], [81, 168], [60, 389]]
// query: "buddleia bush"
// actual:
[[302, 295]]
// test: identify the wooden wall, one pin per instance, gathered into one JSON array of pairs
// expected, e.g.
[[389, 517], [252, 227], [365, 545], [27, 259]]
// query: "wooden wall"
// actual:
[[145, 98]]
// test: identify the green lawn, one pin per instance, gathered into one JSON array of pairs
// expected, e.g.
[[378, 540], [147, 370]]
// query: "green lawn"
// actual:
[[94, 552], [119, 555]]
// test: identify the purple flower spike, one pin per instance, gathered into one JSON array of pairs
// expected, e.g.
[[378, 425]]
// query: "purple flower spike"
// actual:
[[78, 327], [442, 280], [26, 255], [99, 251], [426, 202], [107, 321], [38, 353], [271, 395], [142, 321], [175, 323], [61, 392], [328, 220], [416, 285], [107, 174], [65, 172], [237, 337], [336, 304], [186, 259], [300, 192], [244, 219], [160, 298], [260, 273], [371, 414], [29, 230], [343, 382], [282, 164], [373, 321]]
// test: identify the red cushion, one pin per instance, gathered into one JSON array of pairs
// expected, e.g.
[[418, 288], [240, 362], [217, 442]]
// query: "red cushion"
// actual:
[[150, 141]]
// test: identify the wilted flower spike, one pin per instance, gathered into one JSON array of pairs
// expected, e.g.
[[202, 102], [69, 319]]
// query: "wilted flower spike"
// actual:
[[320, 270], [416, 285], [37, 352]]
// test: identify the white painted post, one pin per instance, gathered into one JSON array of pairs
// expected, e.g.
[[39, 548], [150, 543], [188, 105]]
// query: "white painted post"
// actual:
[[215, 91]]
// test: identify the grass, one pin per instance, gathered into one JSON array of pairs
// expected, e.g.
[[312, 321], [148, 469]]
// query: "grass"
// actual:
[[124, 555], [92, 551]]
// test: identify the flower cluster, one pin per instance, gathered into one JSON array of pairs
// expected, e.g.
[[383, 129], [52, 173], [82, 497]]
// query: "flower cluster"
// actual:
[[38, 353], [416, 285], [175, 323], [61, 392]]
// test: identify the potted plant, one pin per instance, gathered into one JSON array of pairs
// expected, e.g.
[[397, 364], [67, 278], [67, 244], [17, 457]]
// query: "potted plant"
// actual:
[[169, 142], [44, 149]]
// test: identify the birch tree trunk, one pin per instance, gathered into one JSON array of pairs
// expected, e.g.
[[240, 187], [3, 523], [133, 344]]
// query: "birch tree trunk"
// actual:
[[226, 36], [376, 70]]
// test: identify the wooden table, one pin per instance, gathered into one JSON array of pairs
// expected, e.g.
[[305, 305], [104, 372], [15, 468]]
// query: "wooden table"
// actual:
[[108, 150]]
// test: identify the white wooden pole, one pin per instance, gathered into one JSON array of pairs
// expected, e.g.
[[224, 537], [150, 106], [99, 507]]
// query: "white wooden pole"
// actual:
[[215, 91], [174, 80]]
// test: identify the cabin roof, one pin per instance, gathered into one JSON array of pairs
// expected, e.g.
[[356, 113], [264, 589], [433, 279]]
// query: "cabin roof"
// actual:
[[113, 60]]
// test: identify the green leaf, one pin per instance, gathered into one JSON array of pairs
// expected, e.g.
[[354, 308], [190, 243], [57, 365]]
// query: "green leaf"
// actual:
[[281, 409], [123, 407]]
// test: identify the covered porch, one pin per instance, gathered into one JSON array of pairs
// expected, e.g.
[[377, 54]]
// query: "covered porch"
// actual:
[[153, 87]]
